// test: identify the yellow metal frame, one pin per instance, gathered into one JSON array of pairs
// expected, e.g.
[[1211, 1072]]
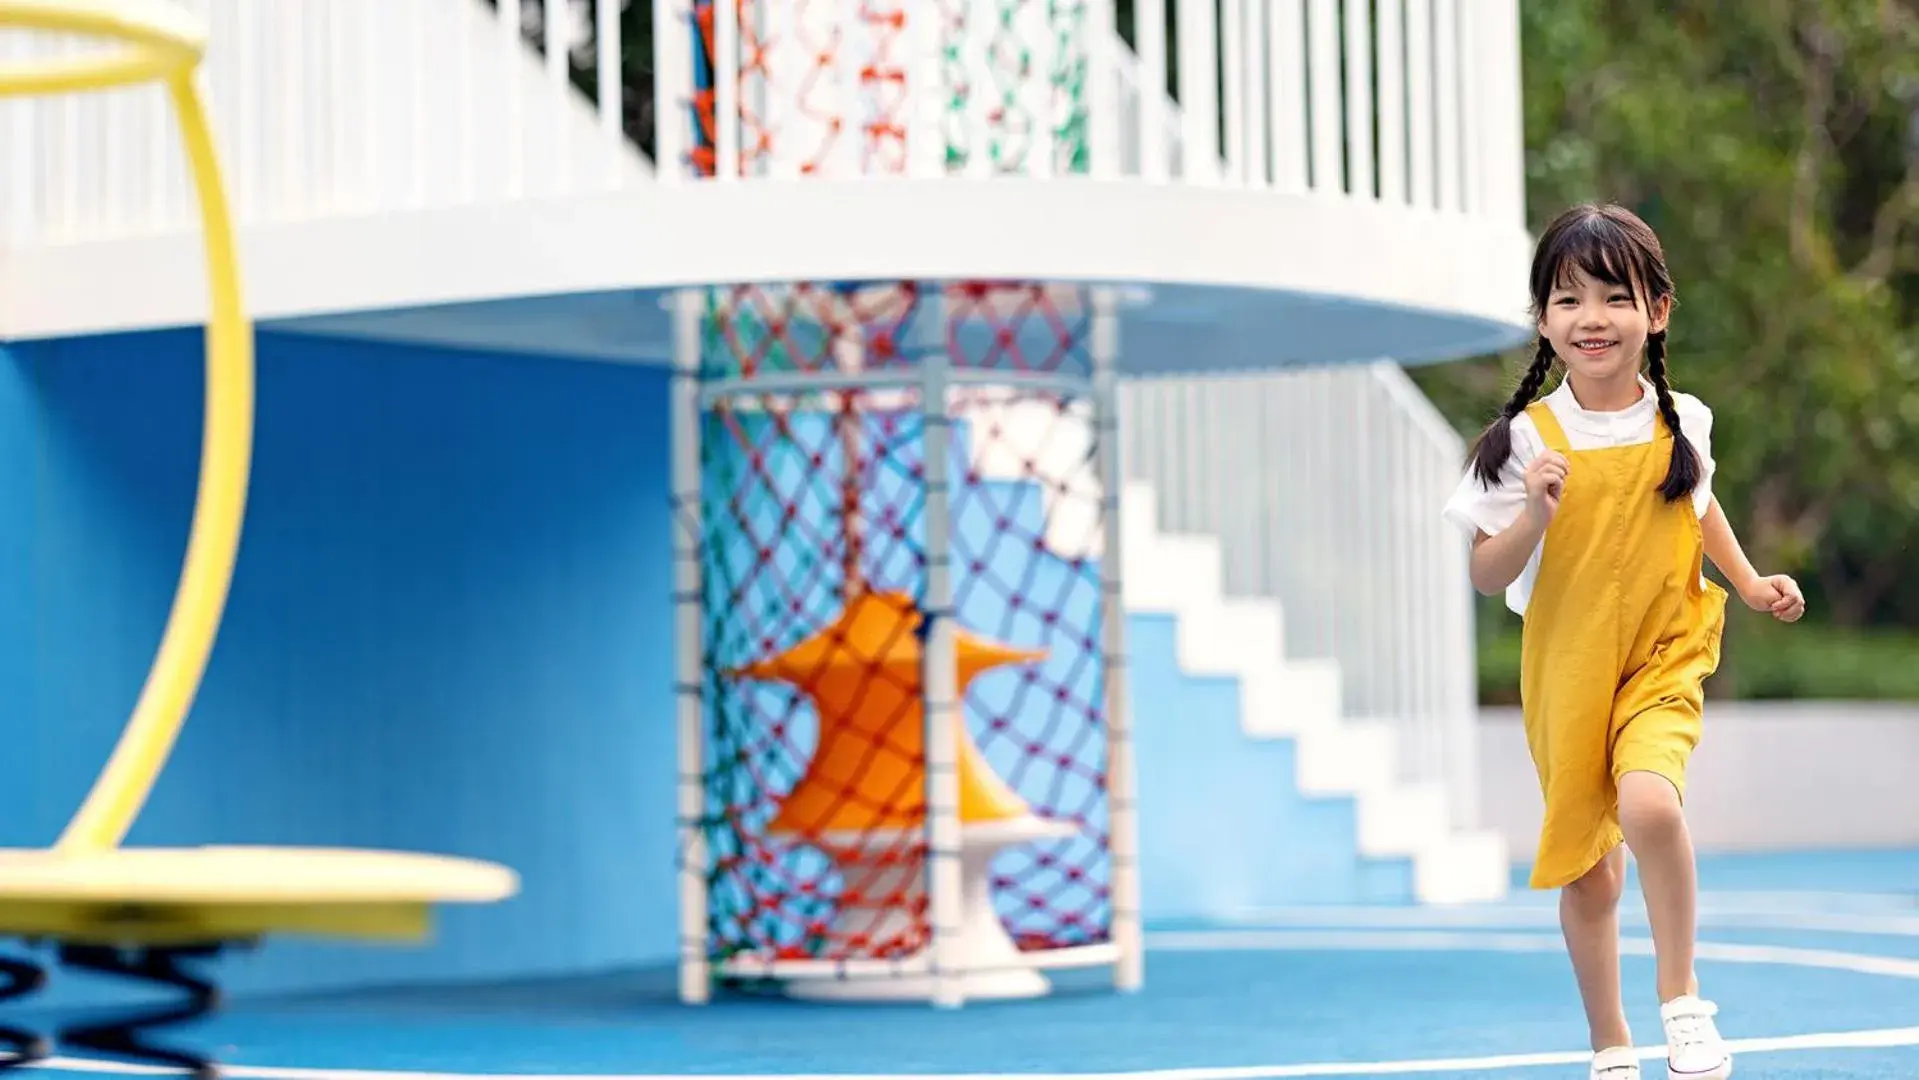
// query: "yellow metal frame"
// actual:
[[144, 41]]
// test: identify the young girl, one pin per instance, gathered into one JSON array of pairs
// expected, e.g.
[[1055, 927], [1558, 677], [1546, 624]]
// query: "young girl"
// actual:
[[1592, 508]]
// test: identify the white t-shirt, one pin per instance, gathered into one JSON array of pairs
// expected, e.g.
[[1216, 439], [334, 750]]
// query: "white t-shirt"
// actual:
[[1475, 508]]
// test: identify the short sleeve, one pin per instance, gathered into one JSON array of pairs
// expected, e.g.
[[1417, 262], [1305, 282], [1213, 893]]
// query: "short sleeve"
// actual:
[[1474, 507], [1695, 419]]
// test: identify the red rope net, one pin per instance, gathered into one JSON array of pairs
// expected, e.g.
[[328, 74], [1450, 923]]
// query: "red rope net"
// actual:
[[814, 549]]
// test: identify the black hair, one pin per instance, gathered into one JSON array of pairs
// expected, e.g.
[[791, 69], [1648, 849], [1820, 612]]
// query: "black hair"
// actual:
[[1611, 244]]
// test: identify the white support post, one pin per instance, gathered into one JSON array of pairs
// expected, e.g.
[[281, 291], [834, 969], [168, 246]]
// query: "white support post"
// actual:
[[940, 682], [672, 89], [1149, 31], [559, 82], [611, 84], [689, 649], [925, 93], [515, 125], [1100, 38], [726, 90], [1121, 810], [23, 182]]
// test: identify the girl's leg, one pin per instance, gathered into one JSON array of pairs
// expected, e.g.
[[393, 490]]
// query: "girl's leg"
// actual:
[[1655, 826], [1589, 916]]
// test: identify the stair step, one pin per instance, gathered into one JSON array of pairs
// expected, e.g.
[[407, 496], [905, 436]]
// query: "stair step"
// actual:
[[1170, 573], [1291, 698], [1357, 759], [1230, 636], [1471, 867], [1402, 820]]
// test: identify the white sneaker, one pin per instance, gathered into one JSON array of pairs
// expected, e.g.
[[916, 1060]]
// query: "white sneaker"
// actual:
[[1694, 1050], [1616, 1063]]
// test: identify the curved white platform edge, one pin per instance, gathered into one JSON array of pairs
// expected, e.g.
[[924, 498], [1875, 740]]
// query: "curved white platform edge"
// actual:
[[1325, 278]]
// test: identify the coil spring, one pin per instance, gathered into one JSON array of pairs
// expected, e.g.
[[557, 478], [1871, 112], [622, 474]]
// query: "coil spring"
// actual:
[[18, 979], [121, 1035]]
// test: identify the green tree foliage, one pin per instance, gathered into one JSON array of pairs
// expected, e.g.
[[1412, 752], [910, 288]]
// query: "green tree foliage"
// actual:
[[1775, 147]]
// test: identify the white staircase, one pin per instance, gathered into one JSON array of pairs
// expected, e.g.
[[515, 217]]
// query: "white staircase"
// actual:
[[1291, 698], [1282, 696]]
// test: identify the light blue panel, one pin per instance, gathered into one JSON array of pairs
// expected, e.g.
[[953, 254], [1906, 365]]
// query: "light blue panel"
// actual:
[[1222, 825], [449, 630]]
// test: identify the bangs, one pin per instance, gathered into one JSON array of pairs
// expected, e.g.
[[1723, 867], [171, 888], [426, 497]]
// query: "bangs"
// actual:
[[1595, 247]]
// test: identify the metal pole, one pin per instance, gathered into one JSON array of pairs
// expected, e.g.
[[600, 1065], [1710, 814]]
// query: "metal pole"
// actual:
[[695, 985], [1122, 811], [940, 675]]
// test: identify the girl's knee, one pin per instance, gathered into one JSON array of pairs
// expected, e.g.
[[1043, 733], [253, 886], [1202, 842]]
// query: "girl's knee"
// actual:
[[1599, 889], [1649, 806]]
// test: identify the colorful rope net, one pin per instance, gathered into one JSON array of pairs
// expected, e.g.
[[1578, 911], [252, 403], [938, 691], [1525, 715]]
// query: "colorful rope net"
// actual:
[[813, 532], [814, 549]]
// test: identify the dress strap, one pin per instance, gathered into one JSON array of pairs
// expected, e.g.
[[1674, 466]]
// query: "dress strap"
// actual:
[[1550, 432]]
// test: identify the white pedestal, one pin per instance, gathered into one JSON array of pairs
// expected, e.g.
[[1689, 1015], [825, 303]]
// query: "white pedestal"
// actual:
[[992, 966]]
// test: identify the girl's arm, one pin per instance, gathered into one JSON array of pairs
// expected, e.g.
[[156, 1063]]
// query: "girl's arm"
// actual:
[[1722, 547], [1498, 560], [1774, 593]]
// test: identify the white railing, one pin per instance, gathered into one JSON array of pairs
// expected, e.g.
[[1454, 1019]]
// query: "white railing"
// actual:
[[1324, 487], [353, 107], [1405, 102], [324, 108]]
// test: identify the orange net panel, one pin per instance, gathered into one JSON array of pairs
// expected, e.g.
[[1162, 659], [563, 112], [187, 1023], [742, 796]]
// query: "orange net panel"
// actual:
[[815, 551]]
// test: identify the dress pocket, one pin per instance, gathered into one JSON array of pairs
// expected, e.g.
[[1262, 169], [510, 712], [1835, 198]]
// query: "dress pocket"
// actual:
[[1712, 612]]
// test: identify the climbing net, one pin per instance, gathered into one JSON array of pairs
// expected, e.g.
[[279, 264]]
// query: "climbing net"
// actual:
[[815, 546], [815, 539], [834, 88]]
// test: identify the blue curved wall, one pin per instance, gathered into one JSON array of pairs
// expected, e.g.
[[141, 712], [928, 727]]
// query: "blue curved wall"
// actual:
[[450, 631], [450, 605]]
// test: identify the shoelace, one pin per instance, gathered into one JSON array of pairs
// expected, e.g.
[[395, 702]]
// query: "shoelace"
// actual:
[[1689, 1028]]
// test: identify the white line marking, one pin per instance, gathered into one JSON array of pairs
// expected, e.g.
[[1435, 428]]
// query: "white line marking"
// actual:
[[1225, 940], [1870, 925], [1456, 941], [1879, 1038]]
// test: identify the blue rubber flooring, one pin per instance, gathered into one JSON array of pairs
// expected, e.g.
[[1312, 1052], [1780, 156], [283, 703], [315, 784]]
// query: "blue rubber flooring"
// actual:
[[1813, 958]]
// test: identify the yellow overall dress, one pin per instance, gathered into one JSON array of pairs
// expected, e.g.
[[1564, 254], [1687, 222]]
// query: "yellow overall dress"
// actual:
[[1619, 637]]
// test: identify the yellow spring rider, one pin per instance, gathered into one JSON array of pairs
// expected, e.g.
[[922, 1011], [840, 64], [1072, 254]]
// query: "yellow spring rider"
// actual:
[[137, 912]]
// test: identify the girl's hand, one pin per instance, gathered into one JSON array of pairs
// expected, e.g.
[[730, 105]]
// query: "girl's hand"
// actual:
[[1546, 485], [1778, 594]]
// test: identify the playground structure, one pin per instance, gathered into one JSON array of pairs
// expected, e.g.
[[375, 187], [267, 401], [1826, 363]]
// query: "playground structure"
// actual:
[[905, 253], [898, 505], [149, 913], [862, 844]]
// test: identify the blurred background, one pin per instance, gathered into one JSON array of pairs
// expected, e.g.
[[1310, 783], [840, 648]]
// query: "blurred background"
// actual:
[[1233, 282], [1773, 147]]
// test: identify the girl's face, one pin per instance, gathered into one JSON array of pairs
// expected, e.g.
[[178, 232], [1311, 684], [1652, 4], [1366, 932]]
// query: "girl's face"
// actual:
[[1597, 329]]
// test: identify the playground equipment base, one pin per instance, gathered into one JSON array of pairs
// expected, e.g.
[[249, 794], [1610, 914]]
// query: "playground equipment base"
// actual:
[[143, 913]]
